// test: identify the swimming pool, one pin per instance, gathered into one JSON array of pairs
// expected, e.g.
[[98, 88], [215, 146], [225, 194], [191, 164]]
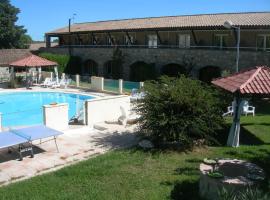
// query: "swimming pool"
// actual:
[[25, 108]]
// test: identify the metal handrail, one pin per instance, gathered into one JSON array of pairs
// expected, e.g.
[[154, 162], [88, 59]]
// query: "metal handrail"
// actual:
[[162, 46]]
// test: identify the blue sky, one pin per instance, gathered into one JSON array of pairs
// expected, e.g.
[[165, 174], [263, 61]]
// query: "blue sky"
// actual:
[[39, 16]]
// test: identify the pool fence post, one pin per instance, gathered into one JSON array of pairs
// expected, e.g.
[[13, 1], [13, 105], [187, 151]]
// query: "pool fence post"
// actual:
[[77, 80], [120, 86], [63, 76], [141, 85], [102, 84]]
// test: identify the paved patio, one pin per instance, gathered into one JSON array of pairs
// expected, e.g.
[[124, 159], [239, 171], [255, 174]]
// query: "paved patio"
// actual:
[[76, 144]]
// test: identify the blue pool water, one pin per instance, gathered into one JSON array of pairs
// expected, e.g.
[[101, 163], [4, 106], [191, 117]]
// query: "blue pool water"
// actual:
[[25, 108]]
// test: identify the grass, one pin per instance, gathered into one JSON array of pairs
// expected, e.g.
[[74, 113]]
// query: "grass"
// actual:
[[135, 174]]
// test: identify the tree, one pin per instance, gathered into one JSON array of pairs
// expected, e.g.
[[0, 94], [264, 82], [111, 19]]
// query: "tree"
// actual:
[[11, 35], [179, 110]]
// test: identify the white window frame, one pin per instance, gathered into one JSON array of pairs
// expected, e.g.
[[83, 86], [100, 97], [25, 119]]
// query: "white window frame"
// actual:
[[264, 41], [152, 41], [221, 37], [186, 41]]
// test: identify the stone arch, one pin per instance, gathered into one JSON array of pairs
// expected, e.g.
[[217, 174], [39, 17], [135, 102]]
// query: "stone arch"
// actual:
[[173, 70], [113, 70], [208, 73], [90, 67], [141, 71]]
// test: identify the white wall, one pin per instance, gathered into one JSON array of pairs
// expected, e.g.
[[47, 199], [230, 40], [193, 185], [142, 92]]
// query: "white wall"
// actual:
[[56, 116], [105, 109], [97, 83]]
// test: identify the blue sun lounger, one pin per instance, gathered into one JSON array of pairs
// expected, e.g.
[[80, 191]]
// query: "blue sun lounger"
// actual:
[[21, 139]]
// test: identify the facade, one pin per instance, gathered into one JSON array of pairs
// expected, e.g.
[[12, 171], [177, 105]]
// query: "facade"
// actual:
[[168, 43]]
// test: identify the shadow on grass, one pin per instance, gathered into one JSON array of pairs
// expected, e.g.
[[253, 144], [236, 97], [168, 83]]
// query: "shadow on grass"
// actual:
[[186, 190], [246, 137], [189, 171]]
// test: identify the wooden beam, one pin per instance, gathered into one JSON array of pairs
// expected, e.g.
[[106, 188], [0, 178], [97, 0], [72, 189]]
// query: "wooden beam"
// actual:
[[94, 38], [159, 38], [129, 38], [112, 41], [194, 37]]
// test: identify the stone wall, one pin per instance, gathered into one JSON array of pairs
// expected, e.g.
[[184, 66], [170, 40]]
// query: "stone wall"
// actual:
[[225, 59]]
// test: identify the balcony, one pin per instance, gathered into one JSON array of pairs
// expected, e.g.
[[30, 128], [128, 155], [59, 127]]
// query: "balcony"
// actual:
[[164, 47]]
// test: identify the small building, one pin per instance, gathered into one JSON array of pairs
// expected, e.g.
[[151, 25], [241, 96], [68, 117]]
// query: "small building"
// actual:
[[168, 43]]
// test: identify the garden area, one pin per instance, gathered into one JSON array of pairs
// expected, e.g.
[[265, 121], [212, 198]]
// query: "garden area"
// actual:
[[167, 171], [138, 174]]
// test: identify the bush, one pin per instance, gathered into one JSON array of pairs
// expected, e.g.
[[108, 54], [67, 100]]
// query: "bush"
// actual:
[[66, 63], [179, 110]]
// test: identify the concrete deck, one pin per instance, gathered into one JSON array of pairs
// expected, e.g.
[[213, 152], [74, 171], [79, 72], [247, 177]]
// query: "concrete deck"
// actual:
[[76, 144]]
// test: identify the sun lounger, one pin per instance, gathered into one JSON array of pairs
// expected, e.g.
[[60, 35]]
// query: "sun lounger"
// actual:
[[21, 140], [136, 95], [127, 116], [47, 82]]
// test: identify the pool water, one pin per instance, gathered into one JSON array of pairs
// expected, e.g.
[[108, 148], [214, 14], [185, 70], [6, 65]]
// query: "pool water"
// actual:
[[25, 108]]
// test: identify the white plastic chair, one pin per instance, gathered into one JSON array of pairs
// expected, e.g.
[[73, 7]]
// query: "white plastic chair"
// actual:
[[230, 109], [247, 109]]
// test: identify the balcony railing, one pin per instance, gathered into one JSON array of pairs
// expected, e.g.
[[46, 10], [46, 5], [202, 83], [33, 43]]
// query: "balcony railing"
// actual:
[[163, 47]]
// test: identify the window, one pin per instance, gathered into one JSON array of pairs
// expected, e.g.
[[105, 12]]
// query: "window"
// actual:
[[129, 40], [263, 42], [152, 41], [184, 41], [220, 40]]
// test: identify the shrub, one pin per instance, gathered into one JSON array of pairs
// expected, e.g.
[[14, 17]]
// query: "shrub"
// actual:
[[66, 63], [179, 110]]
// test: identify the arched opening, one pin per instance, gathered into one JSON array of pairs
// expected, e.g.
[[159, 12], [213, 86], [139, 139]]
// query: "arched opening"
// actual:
[[208, 73], [141, 71], [173, 70], [90, 68], [113, 70]]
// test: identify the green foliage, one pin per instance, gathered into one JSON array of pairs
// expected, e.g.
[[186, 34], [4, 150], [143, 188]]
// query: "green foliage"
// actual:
[[248, 194], [179, 110], [66, 63], [141, 71], [25, 41], [11, 35]]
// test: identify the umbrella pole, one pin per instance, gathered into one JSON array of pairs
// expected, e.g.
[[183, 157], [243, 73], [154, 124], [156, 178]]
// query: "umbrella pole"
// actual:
[[233, 139]]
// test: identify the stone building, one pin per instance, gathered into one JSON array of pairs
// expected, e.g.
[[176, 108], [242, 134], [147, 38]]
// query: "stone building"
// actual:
[[171, 44]]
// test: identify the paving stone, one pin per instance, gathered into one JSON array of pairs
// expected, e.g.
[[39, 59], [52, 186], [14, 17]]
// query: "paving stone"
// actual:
[[4, 178], [76, 147]]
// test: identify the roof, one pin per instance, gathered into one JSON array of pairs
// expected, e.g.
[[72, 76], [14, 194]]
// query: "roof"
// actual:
[[33, 61], [10, 55], [247, 19], [251, 81]]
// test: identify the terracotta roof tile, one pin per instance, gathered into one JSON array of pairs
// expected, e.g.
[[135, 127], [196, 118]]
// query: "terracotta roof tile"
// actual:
[[33, 61], [251, 81], [248, 19]]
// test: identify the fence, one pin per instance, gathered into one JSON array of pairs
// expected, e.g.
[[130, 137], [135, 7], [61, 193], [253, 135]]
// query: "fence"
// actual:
[[100, 84]]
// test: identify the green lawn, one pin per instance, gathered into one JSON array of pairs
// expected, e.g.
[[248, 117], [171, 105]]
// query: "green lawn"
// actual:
[[135, 174]]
